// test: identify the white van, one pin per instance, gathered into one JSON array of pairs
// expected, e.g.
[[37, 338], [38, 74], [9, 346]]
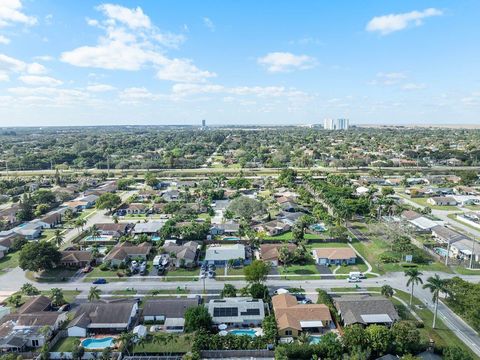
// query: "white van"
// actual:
[[356, 274]]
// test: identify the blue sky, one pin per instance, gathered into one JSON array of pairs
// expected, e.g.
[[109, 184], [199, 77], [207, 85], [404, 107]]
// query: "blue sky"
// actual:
[[238, 62]]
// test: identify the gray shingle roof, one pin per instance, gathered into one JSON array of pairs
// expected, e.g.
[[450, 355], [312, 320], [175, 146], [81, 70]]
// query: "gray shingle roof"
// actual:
[[352, 307]]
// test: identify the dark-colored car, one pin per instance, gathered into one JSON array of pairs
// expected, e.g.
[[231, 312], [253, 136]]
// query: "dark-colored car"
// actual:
[[99, 281]]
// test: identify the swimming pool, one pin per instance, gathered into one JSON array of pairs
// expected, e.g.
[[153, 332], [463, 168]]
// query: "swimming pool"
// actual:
[[241, 332], [98, 238], [101, 343], [231, 238], [441, 251], [315, 340], [155, 238]]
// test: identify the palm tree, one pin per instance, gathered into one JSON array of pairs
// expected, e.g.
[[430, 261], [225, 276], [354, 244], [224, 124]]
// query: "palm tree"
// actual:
[[80, 223], [387, 291], [304, 338], [58, 237], [126, 340], [94, 232], [436, 286], [94, 293], [414, 278]]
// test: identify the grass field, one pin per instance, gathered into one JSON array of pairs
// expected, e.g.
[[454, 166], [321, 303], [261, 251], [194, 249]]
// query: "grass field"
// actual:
[[9, 261], [53, 275], [180, 344]]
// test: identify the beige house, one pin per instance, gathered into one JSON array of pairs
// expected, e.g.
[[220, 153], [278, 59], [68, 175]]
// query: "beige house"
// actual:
[[293, 318]]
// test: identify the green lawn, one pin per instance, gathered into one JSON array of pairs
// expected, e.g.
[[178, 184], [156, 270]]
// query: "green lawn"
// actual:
[[231, 271], [183, 272], [282, 237], [86, 213], [181, 344], [64, 345], [314, 245], [53, 275], [97, 273], [372, 249], [442, 335], [359, 266], [423, 202], [9, 261]]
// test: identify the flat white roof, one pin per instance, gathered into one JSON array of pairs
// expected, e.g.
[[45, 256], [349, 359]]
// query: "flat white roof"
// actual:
[[376, 318], [424, 223], [309, 324]]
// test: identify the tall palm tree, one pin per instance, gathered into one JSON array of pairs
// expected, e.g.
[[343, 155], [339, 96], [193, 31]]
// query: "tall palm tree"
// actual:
[[94, 232], [94, 293], [414, 278], [80, 223], [126, 340], [58, 237], [304, 338], [436, 286]]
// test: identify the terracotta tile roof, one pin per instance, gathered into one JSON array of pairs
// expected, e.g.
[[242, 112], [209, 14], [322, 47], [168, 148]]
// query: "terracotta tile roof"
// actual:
[[271, 251], [289, 314], [335, 253]]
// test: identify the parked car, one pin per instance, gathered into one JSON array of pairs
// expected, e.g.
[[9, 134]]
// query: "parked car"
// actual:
[[354, 279], [161, 271], [87, 269], [306, 301], [211, 274], [99, 281]]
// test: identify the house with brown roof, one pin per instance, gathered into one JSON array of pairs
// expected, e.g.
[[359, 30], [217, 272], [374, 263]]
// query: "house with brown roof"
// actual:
[[271, 252], [184, 255], [125, 251], [294, 318], [114, 230], [334, 256], [76, 258], [274, 227], [135, 209]]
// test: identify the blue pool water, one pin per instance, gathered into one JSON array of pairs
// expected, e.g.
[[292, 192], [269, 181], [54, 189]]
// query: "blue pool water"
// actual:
[[97, 238], [315, 340], [441, 251], [318, 227], [97, 343], [249, 332], [232, 238], [155, 238]]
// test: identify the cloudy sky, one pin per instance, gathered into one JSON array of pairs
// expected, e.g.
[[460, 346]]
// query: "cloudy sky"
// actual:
[[239, 62]]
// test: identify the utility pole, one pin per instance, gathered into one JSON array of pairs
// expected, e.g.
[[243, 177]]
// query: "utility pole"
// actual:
[[473, 254], [448, 253]]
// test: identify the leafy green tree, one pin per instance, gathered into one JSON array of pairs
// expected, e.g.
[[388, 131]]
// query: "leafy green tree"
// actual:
[[379, 339], [228, 291], [245, 207], [414, 278], [15, 300], [151, 179], [259, 291], [256, 272], [406, 337], [39, 256], [26, 209], [436, 286], [456, 353], [108, 201], [387, 190], [197, 318], [355, 336], [56, 296], [29, 290]]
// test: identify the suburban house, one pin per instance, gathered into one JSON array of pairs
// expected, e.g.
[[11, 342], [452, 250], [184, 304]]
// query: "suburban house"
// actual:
[[293, 318], [76, 258], [136, 209], [365, 310], [229, 228], [423, 223], [7, 239], [274, 227], [290, 218], [122, 252], [149, 228], [102, 316], [237, 311], [26, 328], [446, 235], [442, 201], [51, 219], [171, 195], [463, 249], [170, 312], [114, 230], [270, 252], [334, 256], [220, 255], [30, 231], [184, 255]]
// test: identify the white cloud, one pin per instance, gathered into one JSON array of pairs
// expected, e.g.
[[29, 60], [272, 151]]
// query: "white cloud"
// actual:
[[133, 18], [387, 24], [413, 86], [11, 64], [40, 80], [10, 12], [4, 40], [134, 47], [209, 23], [285, 62], [100, 88], [44, 58], [390, 78], [4, 76], [180, 70]]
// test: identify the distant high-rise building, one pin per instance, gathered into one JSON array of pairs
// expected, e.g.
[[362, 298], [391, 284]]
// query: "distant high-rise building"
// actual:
[[204, 123], [336, 124]]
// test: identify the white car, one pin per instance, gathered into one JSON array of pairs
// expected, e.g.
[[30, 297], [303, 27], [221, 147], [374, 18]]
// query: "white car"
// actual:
[[354, 280]]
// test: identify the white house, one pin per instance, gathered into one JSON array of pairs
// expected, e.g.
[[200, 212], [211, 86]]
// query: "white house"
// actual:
[[237, 311], [221, 254]]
